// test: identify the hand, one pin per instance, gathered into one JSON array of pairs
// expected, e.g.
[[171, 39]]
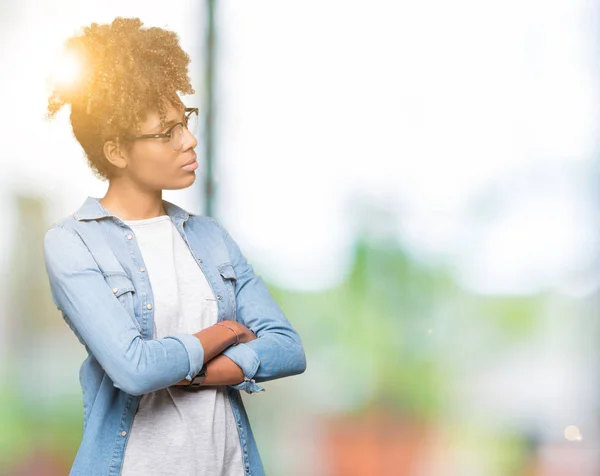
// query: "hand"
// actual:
[[246, 335]]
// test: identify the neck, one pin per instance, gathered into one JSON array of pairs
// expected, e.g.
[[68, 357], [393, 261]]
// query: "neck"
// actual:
[[128, 202]]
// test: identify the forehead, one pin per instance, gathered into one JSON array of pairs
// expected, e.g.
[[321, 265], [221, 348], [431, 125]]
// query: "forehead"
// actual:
[[173, 110], [174, 113]]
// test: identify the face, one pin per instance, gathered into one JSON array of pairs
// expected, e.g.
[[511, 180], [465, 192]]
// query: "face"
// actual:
[[152, 163]]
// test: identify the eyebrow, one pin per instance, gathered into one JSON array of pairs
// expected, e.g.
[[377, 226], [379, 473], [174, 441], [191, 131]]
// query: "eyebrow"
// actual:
[[169, 123]]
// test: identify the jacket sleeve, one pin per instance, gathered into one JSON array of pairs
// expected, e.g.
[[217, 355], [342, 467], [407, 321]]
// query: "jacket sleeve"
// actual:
[[104, 326], [277, 352]]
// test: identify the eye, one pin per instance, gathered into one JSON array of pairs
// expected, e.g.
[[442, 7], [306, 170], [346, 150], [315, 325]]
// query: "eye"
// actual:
[[169, 131]]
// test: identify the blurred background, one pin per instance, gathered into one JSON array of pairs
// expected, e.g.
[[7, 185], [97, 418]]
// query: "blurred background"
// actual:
[[416, 181]]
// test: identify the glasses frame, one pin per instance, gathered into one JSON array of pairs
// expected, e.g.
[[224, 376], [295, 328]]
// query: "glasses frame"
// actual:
[[188, 111]]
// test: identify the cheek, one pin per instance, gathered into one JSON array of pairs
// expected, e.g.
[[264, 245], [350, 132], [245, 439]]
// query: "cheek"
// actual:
[[155, 167], [153, 159]]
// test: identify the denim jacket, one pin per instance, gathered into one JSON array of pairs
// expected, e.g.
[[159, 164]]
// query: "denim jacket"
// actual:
[[99, 283]]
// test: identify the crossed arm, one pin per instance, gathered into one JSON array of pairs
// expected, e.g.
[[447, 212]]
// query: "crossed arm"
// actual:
[[220, 369], [270, 348]]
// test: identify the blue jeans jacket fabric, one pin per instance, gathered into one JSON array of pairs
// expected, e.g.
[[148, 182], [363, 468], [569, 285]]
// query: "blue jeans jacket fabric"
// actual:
[[98, 282]]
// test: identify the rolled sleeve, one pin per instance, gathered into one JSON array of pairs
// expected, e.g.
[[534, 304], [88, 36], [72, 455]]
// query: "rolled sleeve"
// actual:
[[249, 386], [246, 359], [194, 350]]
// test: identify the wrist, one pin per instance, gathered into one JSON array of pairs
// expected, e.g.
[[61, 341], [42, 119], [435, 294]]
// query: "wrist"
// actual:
[[198, 379], [234, 334]]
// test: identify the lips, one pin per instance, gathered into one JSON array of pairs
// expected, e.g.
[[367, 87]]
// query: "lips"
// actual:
[[191, 165], [191, 161]]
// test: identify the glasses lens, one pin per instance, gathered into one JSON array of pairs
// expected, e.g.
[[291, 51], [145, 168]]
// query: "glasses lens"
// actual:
[[177, 137], [192, 122]]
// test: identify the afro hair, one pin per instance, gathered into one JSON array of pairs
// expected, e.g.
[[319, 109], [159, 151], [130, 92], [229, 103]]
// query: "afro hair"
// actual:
[[125, 70]]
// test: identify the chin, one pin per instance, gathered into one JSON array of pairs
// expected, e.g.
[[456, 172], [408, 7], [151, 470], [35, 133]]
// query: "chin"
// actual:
[[181, 183]]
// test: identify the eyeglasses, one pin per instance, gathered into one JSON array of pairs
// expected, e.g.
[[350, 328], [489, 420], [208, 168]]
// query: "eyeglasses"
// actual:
[[175, 132]]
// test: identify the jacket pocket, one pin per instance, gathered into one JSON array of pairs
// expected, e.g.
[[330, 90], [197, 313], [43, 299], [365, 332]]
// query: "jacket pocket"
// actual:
[[229, 280], [124, 290]]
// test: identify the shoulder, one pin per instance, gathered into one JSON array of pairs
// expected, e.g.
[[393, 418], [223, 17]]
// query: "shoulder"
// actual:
[[61, 233], [205, 223], [212, 226], [216, 233], [72, 229], [64, 249], [67, 224]]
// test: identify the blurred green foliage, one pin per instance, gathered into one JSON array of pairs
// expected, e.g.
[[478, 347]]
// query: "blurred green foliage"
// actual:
[[26, 428], [390, 325]]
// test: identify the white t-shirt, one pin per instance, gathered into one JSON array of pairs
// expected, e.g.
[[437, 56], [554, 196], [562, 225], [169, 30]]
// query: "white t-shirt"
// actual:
[[175, 431]]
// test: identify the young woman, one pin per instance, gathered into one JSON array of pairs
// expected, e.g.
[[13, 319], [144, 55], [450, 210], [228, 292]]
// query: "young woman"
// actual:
[[173, 318]]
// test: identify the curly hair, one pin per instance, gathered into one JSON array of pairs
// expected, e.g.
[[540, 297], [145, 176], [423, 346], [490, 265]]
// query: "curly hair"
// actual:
[[126, 70]]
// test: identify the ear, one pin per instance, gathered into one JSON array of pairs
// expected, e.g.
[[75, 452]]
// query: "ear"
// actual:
[[115, 154]]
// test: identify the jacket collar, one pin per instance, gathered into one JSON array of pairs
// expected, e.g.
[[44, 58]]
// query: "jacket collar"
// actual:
[[92, 210]]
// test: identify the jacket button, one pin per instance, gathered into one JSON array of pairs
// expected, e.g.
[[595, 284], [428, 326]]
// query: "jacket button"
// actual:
[[115, 290], [142, 270], [123, 433], [219, 297], [129, 237], [148, 306]]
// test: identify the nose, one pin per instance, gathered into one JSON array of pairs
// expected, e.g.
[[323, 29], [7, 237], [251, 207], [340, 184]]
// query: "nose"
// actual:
[[189, 140]]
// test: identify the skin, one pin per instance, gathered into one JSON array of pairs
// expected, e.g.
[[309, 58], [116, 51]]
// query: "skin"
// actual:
[[140, 173]]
